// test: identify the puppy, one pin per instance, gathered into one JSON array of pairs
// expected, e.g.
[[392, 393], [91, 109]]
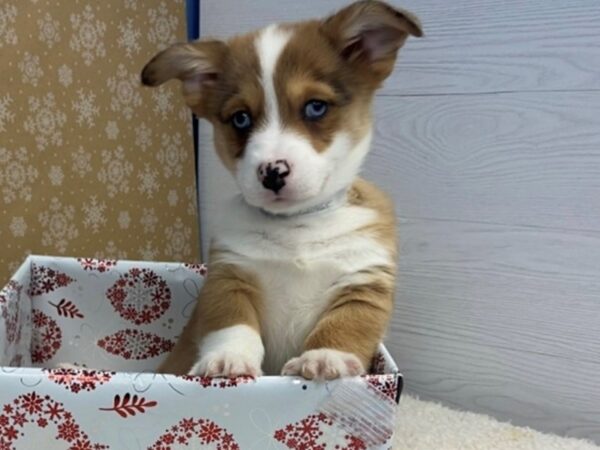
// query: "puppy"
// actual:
[[302, 268]]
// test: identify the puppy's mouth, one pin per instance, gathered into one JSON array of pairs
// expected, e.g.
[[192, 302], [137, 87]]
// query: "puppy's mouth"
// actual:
[[289, 201]]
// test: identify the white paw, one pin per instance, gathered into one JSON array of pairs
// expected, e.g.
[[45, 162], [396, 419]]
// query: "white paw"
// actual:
[[226, 364], [324, 364]]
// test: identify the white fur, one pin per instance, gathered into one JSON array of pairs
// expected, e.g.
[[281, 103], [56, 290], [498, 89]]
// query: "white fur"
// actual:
[[269, 46], [315, 176], [324, 364], [232, 351], [300, 262]]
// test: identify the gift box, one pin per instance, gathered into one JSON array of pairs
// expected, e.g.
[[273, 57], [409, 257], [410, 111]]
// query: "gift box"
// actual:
[[124, 317]]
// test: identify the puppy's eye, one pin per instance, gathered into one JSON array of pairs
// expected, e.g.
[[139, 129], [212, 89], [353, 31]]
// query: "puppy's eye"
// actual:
[[315, 109], [241, 121]]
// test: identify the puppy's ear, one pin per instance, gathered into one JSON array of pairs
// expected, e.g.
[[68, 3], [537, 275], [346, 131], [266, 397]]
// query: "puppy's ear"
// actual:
[[370, 33], [197, 64]]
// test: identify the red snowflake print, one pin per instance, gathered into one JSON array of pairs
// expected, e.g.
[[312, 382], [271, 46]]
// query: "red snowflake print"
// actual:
[[46, 339], [135, 344], [98, 265], [385, 384], [32, 403], [209, 432], [199, 269], [140, 296], [32, 408], [221, 383], [76, 380], [355, 443], [10, 301], [68, 430], [309, 434], [189, 430], [45, 279]]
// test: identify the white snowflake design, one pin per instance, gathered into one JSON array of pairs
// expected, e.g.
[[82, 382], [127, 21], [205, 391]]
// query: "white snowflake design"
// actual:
[[148, 220], [130, 4], [85, 108], [56, 176], [190, 193], [115, 171], [148, 253], [129, 38], [5, 114], [18, 226], [178, 238], [124, 220], [148, 184], [58, 225], [172, 155], [94, 216], [88, 34], [143, 136], [162, 101], [172, 197], [8, 33], [82, 161], [162, 26], [65, 75], [17, 175], [30, 69], [49, 30], [125, 92], [45, 121], [185, 116], [111, 252], [112, 130]]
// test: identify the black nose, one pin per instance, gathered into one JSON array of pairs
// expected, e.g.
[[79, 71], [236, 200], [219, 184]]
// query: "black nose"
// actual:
[[272, 175]]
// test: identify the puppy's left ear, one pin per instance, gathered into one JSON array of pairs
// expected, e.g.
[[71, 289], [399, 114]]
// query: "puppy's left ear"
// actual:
[[369, 33], [198, 65]]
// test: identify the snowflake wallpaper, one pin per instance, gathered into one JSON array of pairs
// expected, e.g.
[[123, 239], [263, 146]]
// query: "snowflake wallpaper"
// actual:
[[92, 164]]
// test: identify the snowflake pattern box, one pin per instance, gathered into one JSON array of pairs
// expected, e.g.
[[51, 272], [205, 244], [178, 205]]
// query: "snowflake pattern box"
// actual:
[[124, 316]]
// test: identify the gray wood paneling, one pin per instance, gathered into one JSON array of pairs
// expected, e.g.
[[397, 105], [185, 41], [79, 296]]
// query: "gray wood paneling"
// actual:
[[470, 45], [503, 320], [488, 139], [519, 158]]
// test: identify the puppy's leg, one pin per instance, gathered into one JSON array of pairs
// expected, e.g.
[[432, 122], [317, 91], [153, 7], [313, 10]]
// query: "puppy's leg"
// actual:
[[222, 337], [347, 335]]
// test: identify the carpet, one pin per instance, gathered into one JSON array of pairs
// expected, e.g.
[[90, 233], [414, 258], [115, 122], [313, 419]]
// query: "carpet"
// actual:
[[429, 426]]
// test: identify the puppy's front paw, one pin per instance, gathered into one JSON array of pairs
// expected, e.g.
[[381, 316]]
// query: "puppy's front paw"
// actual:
[[226, 364], [324, 364]]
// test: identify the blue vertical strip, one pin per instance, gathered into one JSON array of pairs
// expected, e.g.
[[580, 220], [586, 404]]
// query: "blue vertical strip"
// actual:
[[192, 12]]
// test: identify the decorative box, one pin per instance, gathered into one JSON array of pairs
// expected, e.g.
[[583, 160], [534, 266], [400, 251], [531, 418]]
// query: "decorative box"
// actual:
[[124, 317]]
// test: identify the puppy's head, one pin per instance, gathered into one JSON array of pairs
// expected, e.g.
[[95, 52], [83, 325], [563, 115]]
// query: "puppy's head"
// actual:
[[291, 104]]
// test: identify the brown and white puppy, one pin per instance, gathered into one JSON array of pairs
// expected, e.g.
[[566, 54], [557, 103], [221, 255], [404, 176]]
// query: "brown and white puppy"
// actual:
[[302, 269]]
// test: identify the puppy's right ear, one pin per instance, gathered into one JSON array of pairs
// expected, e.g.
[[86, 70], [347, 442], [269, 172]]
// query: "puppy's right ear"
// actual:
[[197, 64]]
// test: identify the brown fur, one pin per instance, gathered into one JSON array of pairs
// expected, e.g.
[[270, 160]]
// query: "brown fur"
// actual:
[[358, 315], [341, 60], [211, 313], [221, 78]]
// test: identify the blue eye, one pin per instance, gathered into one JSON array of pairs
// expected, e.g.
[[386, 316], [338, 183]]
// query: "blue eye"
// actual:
[[241, 121], [315, 109]]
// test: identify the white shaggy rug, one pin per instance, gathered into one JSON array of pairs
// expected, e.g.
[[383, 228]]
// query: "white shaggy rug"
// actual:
[[430, 426]]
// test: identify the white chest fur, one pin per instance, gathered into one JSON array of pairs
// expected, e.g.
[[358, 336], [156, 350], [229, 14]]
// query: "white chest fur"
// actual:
[[299, 262]]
